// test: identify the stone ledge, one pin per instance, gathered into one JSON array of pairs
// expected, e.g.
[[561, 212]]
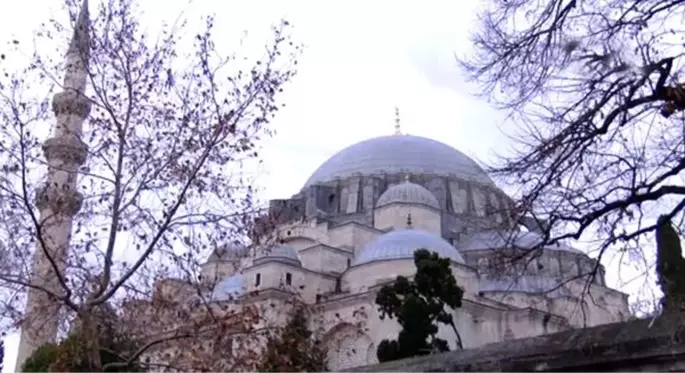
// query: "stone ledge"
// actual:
[[632, 345], [69, 149]]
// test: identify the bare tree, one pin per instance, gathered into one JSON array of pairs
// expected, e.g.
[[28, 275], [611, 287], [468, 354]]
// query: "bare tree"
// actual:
[[163, 183], [596, 89]]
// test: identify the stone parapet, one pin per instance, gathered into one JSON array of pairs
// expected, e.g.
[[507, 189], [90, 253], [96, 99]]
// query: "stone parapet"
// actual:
[[638, 345]]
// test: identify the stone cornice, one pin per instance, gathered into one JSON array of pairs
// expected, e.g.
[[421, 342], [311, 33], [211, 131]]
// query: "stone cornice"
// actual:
[[327, 247], [256, 266], [71, 102], [68, 149]]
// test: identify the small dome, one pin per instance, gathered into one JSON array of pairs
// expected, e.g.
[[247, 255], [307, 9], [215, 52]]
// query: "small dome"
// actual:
[[500, 239], [280, 253], [228, 288], [402, 244], [408, 192]]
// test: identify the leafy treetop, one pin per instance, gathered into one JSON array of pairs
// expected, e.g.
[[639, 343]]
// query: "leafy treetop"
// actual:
[[418, 305], [670, 267]]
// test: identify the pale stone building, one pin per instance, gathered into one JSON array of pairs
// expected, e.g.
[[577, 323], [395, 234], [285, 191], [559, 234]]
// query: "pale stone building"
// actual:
[[357, 222], [354, 226]]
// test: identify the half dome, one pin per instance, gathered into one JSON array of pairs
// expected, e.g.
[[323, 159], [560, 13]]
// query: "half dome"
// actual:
[[551, 287], [399, 154], [408, 192], [228, 288], [490, 240], [279, 253], [402, 245], [228, 252]]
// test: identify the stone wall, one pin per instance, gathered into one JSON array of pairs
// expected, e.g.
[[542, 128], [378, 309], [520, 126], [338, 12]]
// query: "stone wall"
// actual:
[[637, 345]]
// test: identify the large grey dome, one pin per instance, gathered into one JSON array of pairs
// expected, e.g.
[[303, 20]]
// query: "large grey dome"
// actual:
[[398, 154], [408, 192], [402, 244]]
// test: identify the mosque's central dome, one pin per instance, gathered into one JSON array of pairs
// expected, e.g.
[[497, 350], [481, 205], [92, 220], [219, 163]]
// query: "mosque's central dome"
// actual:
[[399, 154]]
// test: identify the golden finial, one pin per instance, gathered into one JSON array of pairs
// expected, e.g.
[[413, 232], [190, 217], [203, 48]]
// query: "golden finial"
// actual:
[[407, 178], [397, 121]]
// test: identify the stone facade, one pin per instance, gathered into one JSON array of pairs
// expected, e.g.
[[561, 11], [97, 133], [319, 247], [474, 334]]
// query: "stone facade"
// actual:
[[352, 228], [339, 239]]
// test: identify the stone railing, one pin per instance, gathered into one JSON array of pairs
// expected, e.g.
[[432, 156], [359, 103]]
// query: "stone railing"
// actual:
[[637, 345]]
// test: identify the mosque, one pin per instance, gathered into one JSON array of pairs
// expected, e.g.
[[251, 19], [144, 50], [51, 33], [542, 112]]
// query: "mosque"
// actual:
[[354, 227], [360, 216]]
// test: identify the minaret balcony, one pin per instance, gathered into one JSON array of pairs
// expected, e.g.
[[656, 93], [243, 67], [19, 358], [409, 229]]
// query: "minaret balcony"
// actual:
[[71, 102], [68, 149], [58, 200]]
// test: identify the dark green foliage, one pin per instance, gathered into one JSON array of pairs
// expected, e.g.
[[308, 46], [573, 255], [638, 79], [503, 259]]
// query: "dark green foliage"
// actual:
[[70, 355], [41, 359], [418, 306], [2, 353], [293, 349], [670, 266]]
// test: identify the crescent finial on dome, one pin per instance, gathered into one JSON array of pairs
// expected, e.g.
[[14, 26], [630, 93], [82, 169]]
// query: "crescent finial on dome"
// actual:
[[397, 121]]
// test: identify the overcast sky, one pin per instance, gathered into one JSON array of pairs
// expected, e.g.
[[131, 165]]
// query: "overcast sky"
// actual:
[[361, 60]]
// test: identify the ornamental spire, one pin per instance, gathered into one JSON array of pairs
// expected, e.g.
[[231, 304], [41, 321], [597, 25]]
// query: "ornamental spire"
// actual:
[[397, 121], [78, 53]]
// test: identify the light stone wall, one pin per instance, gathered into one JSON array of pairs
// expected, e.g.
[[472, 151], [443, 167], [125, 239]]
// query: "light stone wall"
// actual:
[[352, 339], [216, 270], [600, 311], [352, 236], [317, 233], [326, 259], [347, 293], [273, 276]]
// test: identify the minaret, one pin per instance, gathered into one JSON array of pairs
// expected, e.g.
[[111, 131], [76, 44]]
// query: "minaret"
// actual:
[[58, 200]]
